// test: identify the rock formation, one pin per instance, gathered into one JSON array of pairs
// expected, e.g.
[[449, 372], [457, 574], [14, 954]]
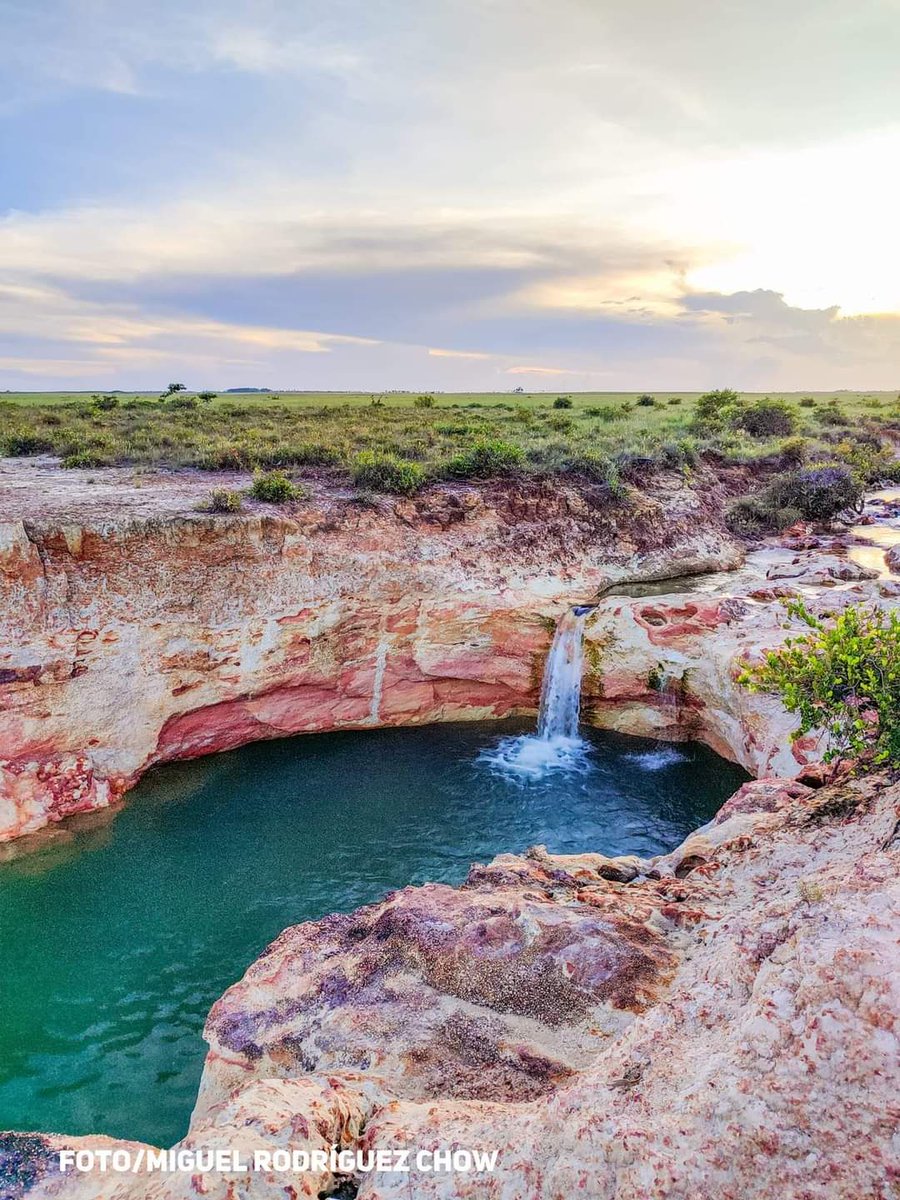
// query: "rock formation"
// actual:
[[135, 629], [720, 1022]]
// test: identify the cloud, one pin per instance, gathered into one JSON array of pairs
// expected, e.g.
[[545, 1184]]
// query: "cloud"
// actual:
[[467, 354], [520, 370], [496, 186]]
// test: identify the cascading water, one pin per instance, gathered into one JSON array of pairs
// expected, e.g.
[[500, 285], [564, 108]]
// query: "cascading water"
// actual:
[[557, 744], [561, 689]]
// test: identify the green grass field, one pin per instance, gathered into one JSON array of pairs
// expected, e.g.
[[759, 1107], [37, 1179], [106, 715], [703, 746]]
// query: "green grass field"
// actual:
[[852, 401], [399, 441]]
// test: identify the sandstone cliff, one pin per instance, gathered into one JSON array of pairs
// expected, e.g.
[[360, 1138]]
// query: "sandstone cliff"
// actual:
[[135, 629]]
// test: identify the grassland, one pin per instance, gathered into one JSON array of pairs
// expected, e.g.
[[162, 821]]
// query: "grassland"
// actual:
[[399, 441]]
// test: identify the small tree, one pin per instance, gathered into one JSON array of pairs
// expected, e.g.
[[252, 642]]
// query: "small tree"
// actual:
[[842, 677], [173, 388]]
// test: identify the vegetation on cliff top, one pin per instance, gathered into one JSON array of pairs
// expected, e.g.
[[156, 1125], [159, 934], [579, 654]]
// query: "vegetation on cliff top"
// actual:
[[842, 677], [399, 442]]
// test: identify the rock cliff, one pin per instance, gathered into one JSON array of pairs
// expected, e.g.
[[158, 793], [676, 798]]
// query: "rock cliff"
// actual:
[[135, 629]]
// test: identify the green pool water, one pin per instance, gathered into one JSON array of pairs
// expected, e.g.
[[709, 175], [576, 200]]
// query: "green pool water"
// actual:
[[119, 933]]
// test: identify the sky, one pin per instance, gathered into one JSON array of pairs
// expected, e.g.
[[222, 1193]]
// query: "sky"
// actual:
[[450, 194]]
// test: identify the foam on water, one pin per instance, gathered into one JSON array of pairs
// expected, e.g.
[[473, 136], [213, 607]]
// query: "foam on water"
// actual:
[[531, 757], [656, 760]]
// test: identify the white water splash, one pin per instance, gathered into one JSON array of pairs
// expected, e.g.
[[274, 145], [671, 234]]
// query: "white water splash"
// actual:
[[557, 746], [656, 760]]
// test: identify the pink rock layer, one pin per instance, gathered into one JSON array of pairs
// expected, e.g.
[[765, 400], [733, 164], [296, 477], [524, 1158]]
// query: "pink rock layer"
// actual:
[[135, 629]]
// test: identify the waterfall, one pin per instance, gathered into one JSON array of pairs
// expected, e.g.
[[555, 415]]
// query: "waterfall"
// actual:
[[556, 746], [561, 688]]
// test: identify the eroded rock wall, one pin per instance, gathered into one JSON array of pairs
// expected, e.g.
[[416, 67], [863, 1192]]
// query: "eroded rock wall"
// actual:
[[134, 629]]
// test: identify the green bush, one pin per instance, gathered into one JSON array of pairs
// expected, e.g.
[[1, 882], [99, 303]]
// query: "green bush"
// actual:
[[598, 468], [560, 424], [818, 492], [83, 458], [106, 403], [274, 488], [674, 400], [716, 410], [794, 451], [223, 500], [767, 418], [646, 401], [20, 445], [486, 458], [842, 678], [831, 415], [562, 402], [424, 402], [386, 473], [807, 402], [605, 412], [866, 457], [752, 517]]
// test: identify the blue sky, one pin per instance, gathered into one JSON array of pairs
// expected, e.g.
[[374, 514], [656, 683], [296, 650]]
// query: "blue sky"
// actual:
[[456, 194]]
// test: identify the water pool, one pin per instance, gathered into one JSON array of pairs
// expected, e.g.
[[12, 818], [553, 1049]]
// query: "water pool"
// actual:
[[119, 932]]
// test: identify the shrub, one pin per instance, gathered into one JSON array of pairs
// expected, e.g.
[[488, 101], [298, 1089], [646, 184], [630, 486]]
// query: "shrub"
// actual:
[[752, 517], [184, 402], [106, 403], [274, 488], [767, 418], [206, 395], [82, 458], [831, 415], [424, 402], [818, 492], [646, 401], [562, 402], [842, 677], [561, 424], [19, 445], [486, 458], [865, 457], [793, 451], [386, 473], [807, 402], [747, 517], [228, 457], [716, 410], [598, 468], [223, 500], [674, 400], [606, 413]]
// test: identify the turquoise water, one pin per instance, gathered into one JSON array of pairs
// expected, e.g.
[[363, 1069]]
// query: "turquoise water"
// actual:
[[119, 934]]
